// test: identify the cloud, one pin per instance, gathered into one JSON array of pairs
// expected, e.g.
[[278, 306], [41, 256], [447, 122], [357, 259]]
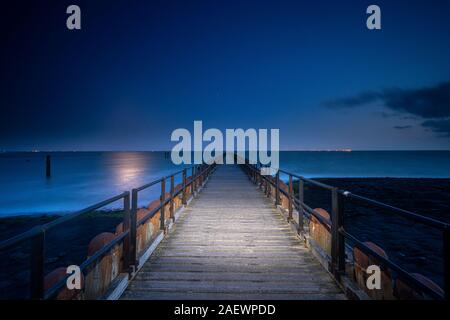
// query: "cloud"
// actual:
[[355, 101], [427, 103], [431, 102], [402, 127], [441, 127], [389, 115]]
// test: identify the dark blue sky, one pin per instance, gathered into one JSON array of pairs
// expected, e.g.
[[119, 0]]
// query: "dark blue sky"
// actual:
[[140, 69]]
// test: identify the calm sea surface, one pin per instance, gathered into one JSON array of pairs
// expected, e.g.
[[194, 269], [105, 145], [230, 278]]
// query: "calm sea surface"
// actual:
[[80, 179]]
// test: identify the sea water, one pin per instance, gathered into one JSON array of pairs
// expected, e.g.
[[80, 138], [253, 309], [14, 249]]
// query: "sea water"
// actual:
[[80, 179]]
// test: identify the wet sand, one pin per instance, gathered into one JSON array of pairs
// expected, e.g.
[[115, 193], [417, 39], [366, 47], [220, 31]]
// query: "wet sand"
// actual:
[[414, 246]]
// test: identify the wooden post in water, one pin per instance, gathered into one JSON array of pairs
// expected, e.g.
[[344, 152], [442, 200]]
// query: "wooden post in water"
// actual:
[[48, 166]]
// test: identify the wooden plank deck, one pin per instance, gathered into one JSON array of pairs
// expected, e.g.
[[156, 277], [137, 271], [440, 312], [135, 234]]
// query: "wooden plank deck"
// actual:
[[231, 243]]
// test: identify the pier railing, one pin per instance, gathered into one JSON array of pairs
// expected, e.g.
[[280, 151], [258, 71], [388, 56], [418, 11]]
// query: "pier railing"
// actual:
[[36, 236], [339, 234], [126, 237], [199, 174]]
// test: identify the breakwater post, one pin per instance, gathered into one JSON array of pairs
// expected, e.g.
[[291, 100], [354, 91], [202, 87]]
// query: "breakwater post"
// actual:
[[48, 166]]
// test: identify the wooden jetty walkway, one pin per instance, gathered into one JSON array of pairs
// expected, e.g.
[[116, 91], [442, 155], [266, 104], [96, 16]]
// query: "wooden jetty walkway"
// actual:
[[231, 243]]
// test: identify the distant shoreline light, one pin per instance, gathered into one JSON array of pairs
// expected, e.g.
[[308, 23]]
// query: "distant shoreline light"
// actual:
[[331, 150]]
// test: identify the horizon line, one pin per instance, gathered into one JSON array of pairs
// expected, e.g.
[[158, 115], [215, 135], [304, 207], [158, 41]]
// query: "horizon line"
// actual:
[[346, 150]]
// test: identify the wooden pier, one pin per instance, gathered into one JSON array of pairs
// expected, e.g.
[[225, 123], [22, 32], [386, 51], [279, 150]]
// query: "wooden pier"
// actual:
[[231, 243]]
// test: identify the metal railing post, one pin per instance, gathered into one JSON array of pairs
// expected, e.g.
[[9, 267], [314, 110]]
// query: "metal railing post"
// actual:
[[446, 248], [277, 189], [163, 200], [337, 239], [258, 176], [184, 187], [133, 228], [172, 191], [301, 200], [126, 226], [197, 171], [37, 266], [202, 178], [266, 186], [193, 181], [291, 195]]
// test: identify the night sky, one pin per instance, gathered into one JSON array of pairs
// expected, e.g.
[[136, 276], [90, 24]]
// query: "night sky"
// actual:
[[137, 70]]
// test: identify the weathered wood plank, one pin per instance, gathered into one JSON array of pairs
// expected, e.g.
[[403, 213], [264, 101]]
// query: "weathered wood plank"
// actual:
[[229, 286], [231, 261], [296, 277], [179, 267], [139, 295], [231, 243]]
